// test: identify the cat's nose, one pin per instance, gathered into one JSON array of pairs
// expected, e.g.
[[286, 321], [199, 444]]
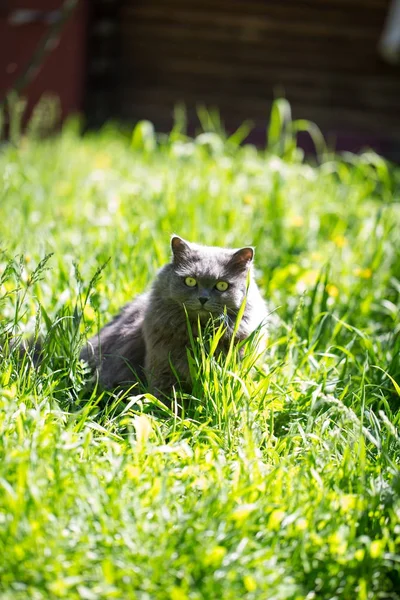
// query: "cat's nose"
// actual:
[[203, 300]]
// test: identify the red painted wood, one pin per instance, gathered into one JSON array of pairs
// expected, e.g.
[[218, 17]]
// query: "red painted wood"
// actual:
[[63, 70]]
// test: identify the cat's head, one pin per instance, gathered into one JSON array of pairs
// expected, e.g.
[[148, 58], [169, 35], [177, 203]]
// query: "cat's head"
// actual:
[[208, 279]]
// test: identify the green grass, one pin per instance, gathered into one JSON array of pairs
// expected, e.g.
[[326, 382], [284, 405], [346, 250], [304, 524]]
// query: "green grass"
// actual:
[[281, 480]]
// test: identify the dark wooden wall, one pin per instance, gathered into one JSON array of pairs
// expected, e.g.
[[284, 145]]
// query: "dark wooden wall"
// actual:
[[237, 55], [104, 73]]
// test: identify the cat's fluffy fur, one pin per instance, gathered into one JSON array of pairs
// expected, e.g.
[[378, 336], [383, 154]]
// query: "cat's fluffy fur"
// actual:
[[151, 332]]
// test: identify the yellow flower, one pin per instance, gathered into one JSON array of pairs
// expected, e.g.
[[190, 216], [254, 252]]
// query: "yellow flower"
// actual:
[[215, 556], [249, 583], [178, 593], [332, 290], [340, 241], [376, 548], [359, 554], [275, 519], [132, 472], [363, 273], [297, 221], [309, 277], [348, 502], [102, 161], [337, 544]]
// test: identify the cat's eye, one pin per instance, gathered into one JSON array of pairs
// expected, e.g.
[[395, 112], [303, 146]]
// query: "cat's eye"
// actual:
[[190, 282], [222, 286]]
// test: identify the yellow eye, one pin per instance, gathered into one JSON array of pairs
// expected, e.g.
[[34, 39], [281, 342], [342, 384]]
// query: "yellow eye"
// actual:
[[222, 286], [190, 282]]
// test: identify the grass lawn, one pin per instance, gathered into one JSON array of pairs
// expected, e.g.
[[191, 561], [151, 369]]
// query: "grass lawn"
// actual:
[[281, 481]]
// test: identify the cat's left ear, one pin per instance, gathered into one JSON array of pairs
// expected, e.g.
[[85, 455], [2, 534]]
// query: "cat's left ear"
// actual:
[[242, 259], [180, 248]]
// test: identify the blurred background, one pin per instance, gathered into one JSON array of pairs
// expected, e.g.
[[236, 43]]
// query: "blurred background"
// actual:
[[335, 61]]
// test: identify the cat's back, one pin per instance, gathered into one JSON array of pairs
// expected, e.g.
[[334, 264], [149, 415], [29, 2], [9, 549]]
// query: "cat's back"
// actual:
[[131, 315], [118, 350]]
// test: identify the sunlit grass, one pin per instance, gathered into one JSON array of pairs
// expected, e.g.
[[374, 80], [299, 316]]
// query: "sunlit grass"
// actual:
[[279, 479]]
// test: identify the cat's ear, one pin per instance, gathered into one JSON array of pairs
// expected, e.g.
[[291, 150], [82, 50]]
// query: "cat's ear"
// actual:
[[242, 259], [180, 248]]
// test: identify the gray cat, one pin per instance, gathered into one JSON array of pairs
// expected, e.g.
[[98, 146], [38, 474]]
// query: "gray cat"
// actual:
[[151, 332]]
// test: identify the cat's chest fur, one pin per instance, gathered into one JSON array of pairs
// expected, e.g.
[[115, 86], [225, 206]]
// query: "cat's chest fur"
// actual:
[[165, 322]]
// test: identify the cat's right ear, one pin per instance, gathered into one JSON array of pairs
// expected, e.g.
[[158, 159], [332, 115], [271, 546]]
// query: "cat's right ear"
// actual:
[[180, 248]]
